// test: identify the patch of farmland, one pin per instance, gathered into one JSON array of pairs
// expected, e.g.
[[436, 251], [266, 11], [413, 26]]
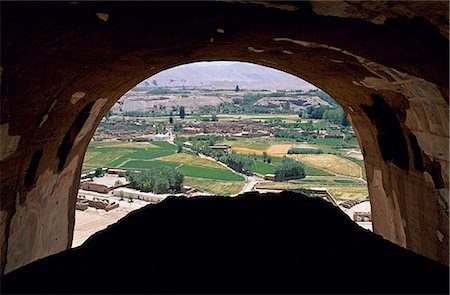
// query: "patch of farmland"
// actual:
[[278, 150], [164, 145], [142, 154], [336, 142], [313, 171], [99, 157], [247, 151], [190, 159], [309, 170], [340, 191], [85, 168], [146, 154], [330, 163], [119, 144], [216, 187], [140, 164], [208, 173], [264, 168], [254, 144]]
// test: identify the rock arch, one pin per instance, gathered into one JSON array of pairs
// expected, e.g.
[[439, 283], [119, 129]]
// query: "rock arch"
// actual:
[[65, 64]]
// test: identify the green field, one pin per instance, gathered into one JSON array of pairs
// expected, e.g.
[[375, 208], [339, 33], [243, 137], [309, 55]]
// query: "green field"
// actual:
[[313, 171], [216, 187], [329, 144], [209, 173], [255, 144], [213, 177], [156, 154], [113, 154], [165, 145], [139, 164], [340, 191], [264, 168]]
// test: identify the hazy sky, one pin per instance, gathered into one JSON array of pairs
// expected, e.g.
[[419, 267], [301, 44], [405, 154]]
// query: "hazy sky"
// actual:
[[226, 74]]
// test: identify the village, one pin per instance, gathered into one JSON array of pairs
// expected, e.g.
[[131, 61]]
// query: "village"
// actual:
[[148, 128], [118, 128], [103, 200]]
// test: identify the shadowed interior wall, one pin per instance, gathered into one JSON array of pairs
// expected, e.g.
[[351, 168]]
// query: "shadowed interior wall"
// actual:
[[63, 65]]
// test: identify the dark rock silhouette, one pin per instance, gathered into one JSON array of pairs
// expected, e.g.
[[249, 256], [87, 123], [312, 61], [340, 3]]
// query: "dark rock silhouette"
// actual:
[[285, 243]]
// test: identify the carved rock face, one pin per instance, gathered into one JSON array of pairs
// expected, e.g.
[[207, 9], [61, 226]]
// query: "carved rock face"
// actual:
[[64, 67]]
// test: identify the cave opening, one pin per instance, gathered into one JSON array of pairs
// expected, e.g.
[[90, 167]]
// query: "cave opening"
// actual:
[[219, 128], [330, 46]]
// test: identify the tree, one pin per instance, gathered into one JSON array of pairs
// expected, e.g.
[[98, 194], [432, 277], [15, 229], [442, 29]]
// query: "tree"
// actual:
[[333, 115], [99, 172], [289, 169], [177, 127], [238, 162], [170, 120], [237, 88], [182, 112], [264, 156], [179, 148], [214, 117], [315, 112], [122, 195], [162, 185], [157, 180], [118, 183]]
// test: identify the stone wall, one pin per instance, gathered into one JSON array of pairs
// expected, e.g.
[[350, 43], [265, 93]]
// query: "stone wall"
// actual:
[[65, 64]]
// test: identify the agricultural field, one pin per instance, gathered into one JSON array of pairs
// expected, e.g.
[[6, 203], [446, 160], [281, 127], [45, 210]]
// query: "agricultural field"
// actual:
[[341, 191], [216, 187], [331, 163], [322, 170], [252, 145], [258, 146], [322, 166], [208, 175], [279, 148], [193, 160], [115, 154]]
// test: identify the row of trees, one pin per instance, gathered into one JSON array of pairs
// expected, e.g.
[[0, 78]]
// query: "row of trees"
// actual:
[[267, 158], [289, 169], [157, 180], [334, 115], [241, 163]]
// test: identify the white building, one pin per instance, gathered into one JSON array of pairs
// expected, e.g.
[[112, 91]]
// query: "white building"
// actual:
[[162, 137]]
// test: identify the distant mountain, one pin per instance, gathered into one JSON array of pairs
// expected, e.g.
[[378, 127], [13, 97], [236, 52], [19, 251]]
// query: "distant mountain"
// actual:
[[226, 75]]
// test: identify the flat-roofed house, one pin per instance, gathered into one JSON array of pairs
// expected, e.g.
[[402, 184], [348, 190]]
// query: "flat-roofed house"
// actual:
[[103, 184]]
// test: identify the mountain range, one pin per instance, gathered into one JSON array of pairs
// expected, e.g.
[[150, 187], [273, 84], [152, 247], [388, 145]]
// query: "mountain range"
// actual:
[[226, 75]]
